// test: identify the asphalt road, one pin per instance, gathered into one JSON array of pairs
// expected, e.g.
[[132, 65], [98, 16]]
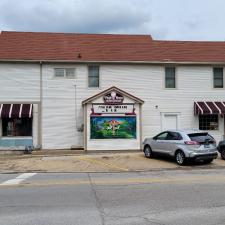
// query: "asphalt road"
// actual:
[[175, 197]]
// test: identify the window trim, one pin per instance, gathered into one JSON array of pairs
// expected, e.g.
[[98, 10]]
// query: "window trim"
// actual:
[[176, 83], [213, 86], [99, 77]]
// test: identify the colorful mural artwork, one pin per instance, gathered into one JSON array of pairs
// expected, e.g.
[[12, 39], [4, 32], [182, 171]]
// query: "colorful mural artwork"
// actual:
[[113, 127]]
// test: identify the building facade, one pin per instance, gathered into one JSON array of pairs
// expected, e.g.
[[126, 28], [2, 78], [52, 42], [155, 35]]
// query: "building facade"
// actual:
[[109, 94]]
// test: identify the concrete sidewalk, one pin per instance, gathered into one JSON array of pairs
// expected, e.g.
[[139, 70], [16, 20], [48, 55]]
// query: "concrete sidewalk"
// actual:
[[92, 162]]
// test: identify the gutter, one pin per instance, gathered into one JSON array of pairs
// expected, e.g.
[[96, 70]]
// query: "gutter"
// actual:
[[166, 62]]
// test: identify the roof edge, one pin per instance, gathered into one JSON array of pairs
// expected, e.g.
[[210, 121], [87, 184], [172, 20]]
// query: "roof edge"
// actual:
[[114, 62], [92, 98]]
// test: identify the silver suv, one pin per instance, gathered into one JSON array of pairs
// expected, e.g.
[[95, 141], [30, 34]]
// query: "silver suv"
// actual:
[[182, 145]]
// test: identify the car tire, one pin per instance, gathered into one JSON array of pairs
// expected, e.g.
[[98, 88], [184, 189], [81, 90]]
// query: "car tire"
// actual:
[[208, 161], [147, 151], [222, 154], [180, 158]]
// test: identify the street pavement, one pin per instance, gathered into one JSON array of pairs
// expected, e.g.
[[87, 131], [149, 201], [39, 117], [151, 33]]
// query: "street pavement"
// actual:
[[164, 197]]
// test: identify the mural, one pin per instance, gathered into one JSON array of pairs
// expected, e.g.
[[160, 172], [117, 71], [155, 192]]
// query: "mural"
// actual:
[[113, 127]]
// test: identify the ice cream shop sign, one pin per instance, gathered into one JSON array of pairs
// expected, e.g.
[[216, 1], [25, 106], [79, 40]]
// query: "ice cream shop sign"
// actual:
[[113, 98], [113, 104], [112, 114]]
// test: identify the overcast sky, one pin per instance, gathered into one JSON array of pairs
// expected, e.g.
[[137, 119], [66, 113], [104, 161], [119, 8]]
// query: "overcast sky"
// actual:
[[163, 19]]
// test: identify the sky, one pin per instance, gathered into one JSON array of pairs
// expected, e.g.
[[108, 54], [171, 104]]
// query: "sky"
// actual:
[[162, 19]]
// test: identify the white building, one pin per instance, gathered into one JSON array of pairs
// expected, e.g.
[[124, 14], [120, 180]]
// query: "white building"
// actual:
[[62, 91]]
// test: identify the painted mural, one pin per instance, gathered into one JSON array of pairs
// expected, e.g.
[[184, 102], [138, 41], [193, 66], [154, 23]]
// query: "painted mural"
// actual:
[[113, 127]]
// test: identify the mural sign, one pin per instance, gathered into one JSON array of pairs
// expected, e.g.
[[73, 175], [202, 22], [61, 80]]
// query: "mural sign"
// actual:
[[103, 127]]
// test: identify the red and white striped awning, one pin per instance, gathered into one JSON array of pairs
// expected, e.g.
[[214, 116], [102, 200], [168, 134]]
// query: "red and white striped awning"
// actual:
[[16, 110], [209, 108]]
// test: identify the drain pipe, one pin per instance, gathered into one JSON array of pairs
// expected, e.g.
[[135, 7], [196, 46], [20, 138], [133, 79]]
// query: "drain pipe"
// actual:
[[40, 108]]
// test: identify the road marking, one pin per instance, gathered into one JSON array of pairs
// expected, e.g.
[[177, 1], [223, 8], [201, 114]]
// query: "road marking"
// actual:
[[94, 161], [18, 179]]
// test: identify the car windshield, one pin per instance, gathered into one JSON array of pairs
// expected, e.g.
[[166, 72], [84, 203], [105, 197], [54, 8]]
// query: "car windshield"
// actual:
[[201, 137]]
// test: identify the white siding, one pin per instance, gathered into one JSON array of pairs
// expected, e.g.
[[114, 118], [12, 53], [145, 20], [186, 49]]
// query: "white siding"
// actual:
[[20, 82]]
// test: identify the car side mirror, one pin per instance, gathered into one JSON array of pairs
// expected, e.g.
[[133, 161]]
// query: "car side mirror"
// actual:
[[155, 138]]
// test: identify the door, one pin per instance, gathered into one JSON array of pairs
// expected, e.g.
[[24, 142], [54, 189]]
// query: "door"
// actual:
[[159, 143], [170, 122]]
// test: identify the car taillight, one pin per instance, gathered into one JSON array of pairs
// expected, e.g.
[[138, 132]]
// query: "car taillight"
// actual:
[[191, 143]]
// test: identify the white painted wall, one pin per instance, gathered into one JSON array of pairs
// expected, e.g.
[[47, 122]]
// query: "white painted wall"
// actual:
[[20, 82]]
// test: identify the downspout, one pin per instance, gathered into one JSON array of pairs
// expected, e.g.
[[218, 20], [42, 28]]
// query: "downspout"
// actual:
[[40, 109]]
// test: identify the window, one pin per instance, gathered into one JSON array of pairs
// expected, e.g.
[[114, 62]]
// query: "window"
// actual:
[[170, 78], [208, 122], [162, 136], [218, 77], [201, 137], [174, 136], [93, 76], [16, 127], [65, 72]]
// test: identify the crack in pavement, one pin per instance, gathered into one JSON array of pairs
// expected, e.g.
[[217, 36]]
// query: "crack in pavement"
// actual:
[[97, 201]]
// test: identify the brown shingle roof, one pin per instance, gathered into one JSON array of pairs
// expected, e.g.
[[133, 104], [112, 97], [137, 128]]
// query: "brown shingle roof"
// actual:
[[105, 47]]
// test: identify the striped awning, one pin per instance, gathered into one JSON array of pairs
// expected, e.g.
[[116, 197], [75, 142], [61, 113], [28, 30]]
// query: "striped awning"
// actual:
[[16, 110], [209, 108]]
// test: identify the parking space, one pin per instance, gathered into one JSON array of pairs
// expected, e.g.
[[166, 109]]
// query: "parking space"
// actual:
[[104, 162]]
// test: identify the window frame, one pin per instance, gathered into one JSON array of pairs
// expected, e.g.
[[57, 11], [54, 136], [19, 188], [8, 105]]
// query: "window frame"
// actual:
[[65, 72], [165, 77], [213, 78], [88, 75]]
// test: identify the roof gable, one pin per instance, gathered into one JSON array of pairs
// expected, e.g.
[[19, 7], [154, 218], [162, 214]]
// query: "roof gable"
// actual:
[[111, 89]]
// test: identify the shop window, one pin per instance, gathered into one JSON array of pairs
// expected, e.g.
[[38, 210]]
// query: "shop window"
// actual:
[[16, 127], [208, 122], [65, 72], [170, 77], [93, 76], [218, 77]]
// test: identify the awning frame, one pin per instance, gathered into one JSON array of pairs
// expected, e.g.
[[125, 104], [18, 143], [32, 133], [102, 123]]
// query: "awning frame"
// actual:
[[16, 110], [209, 108]]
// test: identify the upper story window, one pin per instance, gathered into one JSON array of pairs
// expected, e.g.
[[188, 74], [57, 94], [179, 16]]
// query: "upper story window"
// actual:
[[170, 77], [93, 76], [65, 72], [218, 77]]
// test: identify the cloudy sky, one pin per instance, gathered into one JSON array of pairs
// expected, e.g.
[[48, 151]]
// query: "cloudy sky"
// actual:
[[163, 19]]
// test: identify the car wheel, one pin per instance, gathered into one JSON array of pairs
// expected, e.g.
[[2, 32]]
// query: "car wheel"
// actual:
[[148, 151], [223, 154], [180, 158]]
